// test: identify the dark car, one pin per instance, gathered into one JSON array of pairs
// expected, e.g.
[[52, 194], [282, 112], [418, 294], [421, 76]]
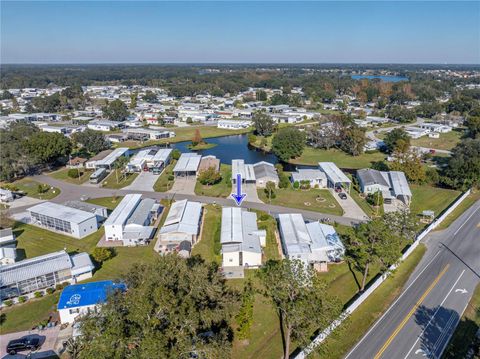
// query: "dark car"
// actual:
[[338, 189], [342, 195], [18, 345]]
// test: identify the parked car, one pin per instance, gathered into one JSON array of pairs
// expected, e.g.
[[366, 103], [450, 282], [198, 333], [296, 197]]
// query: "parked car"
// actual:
[[342, 195], [22, 344], [338, 189]]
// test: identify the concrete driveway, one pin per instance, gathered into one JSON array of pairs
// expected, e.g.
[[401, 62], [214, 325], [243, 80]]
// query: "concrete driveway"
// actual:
[[143, 182], [24, 201], [184, 185], [350, 207], [48, 338], [250, 189]]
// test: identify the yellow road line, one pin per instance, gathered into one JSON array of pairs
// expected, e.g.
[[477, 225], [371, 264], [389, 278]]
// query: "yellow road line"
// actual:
[[410, 313]]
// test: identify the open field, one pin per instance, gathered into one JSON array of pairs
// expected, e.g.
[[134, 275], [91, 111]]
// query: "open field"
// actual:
[[338, 344], [462, 207], [312, 156], [426, 197], [62, 175], [304, 199], [221, 189], [163, 184], [465, 333], [447, 141], [30, 188], [124, 179]]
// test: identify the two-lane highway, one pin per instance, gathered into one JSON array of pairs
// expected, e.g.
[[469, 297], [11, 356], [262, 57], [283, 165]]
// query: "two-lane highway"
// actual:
[[423, 318]]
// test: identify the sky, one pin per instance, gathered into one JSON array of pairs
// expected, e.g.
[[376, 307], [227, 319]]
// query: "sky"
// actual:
[[240, 32]]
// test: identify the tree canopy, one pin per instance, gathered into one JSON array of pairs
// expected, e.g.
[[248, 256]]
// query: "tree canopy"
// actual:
[[463, 169], [392, 139], [288, 143], [115, 110], [92, 141], [263, 123]]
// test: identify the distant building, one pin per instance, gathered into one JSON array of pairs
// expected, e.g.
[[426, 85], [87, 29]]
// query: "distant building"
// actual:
[[416, 132], [313, 243], [130, 222], [76, 163], [6, 195], [241, 239], [108, 161], [182, 225], [144, 134], [39, 273], [81, 299], [67, 220], [234, 124], [104, 125], [435, 127]]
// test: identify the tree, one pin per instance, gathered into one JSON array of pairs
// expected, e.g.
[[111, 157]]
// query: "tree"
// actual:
[[473, 125], [197, 138], [261, 95], [48, 147], [375, 199], [189, 120], [270, 190], [410, 162], [210, 176], [263, 123], [119, 165], [102, 254], [393, 137], [244, 318], [115, 110], [300, 298], [403, 223], [353, 140], [463, 169], [174, 308], [133, 100], [288, 143], [150, 96], [400, 114], [372, 243], [73, 173], [176, 154], [252, 138], [92, 141]]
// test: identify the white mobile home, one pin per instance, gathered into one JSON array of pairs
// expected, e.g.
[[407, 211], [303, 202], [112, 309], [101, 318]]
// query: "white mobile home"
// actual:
[[335, 176], [316, 178], [187, 165]]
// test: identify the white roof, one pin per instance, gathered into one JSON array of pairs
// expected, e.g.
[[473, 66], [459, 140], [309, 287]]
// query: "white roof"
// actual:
[[399, 183], [162, 155], [188, 162], [64, 213], [240, 227], [124, 209], [184, 216], [308, 175], [333, 173], [247, 171], [113, 156]]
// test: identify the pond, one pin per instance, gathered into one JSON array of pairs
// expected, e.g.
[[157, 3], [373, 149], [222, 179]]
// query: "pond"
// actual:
[[235, 147], [385, 78]]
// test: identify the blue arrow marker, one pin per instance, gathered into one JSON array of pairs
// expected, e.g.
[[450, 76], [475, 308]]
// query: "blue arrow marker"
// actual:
[[239, 196]]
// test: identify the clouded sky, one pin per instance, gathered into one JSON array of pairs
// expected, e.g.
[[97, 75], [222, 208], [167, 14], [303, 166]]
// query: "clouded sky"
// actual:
[[282, 32]]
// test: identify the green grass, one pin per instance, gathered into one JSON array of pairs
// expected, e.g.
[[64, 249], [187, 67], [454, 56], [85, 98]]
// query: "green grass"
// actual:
[[221, 189], [62, 175], [447, 141], [267, 222], [201, 146], [108, 202], [462, 207], [338, 344], [293, 198], [364, 205], [465, 333], [124, 179], [163, 184], [427, 197], [209, 245], [312, 156], [30, 188]]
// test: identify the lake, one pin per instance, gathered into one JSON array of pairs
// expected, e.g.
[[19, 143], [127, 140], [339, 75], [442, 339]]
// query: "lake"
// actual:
[[383, 78]]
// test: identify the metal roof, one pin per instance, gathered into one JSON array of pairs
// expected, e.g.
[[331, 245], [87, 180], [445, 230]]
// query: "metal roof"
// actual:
[[334, 174], [34, 267], [124, 209], [246, 171], [162, 155], [59, 211], [84, 206], [81, 263], [308, 175], [369, 176], [239, 227], [399, 183], [141, 212], [184, 216], [188, 162], [265, 170], [79, 295], [113, 156]]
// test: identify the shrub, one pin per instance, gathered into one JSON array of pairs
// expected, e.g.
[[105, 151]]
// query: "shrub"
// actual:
[[252, 138], [210, 176], [102, 254], [22, 299], [59, 286], [73, 173], [171, 177], [375, 199], [176, 154], [296, 185], [38, 294], [189, 120], [50, 290], [264, 216], [244, 318], [8, 302], [65, 284]]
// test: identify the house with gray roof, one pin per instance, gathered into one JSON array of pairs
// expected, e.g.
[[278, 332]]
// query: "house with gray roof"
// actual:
[[259, 173]]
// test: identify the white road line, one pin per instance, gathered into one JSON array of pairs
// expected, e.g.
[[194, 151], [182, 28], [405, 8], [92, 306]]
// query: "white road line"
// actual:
[[393, 304], [470, 216], [436, 311], [443, 333]]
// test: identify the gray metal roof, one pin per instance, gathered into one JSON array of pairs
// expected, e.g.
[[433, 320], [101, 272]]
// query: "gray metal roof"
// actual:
[[308, 175], [33, 267], [334, 174], [399, 184], [81, 263], [113, 156], [188, 162], [369, 176], [265, 170], [59, 211], [84, 206], [246, 171], [184, 216], [141, 212], [121, 213], [239, 227]]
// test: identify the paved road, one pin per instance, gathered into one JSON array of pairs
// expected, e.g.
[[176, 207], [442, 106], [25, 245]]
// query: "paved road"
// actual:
[[421, 321], [74, 192]]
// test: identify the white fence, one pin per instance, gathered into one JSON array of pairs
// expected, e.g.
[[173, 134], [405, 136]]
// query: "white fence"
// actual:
[[323, 335]]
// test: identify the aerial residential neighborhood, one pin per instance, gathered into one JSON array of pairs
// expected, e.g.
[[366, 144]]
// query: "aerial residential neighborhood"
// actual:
[[240, 180]]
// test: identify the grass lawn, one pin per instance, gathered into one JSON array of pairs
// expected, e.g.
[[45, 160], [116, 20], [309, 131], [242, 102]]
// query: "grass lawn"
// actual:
[[267, 222], [30, 188], [447, 141], [358, 323], [63, 176], [124, 179], [209, 245], [221, 189], [201, 146], [163, 184], [462, 207], [426, 197], [464, 335], [108, 202], [293, 198], [312, 156]]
